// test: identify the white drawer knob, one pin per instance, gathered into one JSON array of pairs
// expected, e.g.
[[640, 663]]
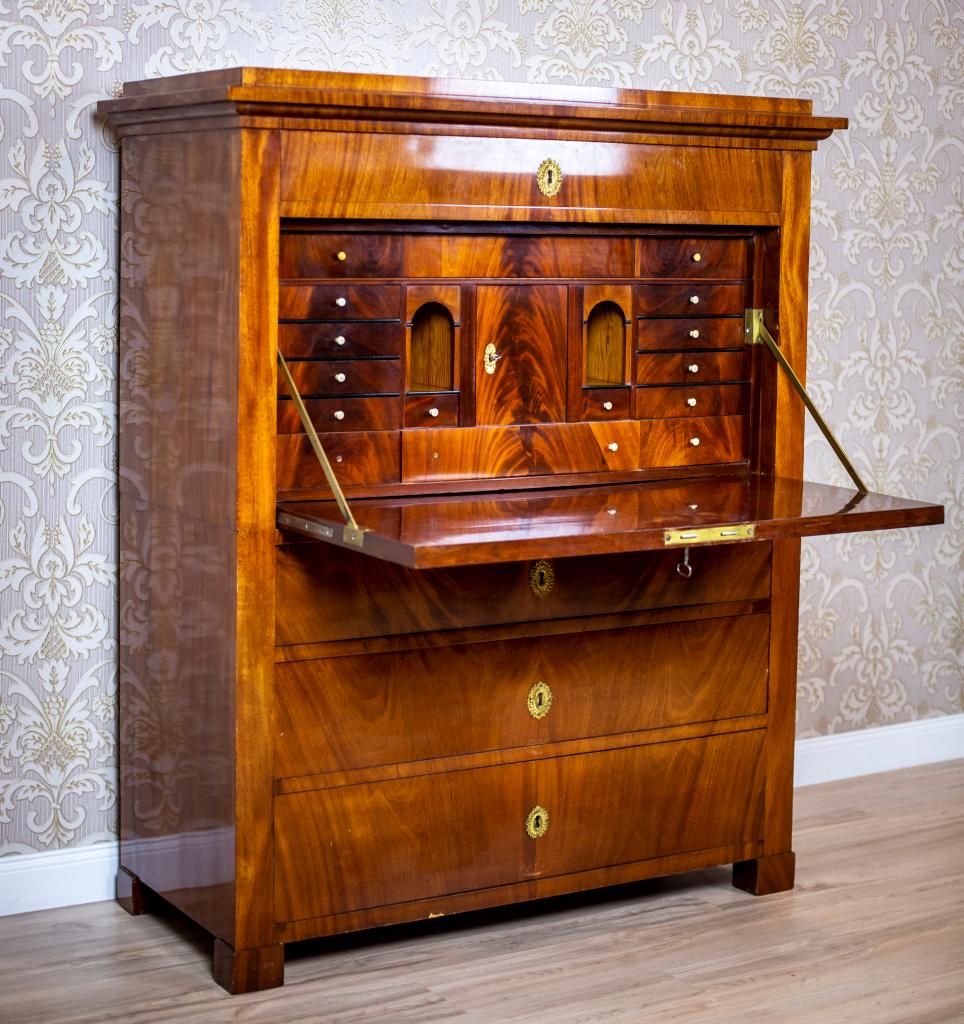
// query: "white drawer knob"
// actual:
[[341, 302], [433, 412], [693, 368], [696, 257], [340, 340], [695, 442], [694, 333], [613, 447], [341, 256], [691, 402], [695, 300], [607, 406], [338, 414], [341, 377]]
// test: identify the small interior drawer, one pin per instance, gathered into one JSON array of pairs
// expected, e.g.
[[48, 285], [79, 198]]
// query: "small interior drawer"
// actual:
[[308, 254], [691, 400], [690, 299], [692, 442], [691, 367], [345, 377], [343, 414], [689, 333], [339, 302], [605, 404], [724, 258], [432, 410], [340, 340]]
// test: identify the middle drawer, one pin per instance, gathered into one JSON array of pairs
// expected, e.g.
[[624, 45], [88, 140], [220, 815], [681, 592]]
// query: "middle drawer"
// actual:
[[467, 698]]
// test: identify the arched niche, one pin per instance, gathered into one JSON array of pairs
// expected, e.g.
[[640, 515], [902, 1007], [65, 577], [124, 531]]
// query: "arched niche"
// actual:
[[431, 355], [604, 360]]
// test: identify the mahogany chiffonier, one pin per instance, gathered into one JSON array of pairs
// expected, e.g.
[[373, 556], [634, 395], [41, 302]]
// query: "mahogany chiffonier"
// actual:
[[461, 495]]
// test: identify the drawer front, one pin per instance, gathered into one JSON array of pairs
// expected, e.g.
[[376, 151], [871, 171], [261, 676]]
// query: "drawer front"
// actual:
[[527, 256], [339, 302], [341, 414], [692, 367], [605, 404], [692, 257], [340, 341], [339, 254], [369, 845], [690, 299], [467, 698], [696, 400], [345, 377], [326, 593], [357, 458], [690, 333], [692, 442], [432, 410]]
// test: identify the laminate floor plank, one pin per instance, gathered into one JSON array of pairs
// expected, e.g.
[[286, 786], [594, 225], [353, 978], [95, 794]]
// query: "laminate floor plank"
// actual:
[[873, 932]]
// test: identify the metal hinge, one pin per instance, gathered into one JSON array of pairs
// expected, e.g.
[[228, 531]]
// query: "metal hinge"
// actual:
[[757, 334], [352, 534]]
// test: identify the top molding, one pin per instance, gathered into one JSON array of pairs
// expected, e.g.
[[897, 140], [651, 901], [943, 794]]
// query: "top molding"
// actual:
[[250, 97]]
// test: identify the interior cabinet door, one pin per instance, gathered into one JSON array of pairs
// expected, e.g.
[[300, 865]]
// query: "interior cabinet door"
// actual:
[[521, 378]]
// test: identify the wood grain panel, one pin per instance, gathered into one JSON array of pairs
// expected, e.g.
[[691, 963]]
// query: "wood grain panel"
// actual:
[[344, 377], [464, 698], [308, 254], [670, 442], [692, 367], [725, 258], [479, 452], [364, 846], [339, 302], [376, 413], [694, 400], [356, 457], [340, 340], [690, 299], [527, 325], [690, 333], [342, 594]]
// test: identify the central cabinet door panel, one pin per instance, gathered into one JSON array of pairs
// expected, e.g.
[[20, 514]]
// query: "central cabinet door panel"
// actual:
[[526, 325], [352, 847]]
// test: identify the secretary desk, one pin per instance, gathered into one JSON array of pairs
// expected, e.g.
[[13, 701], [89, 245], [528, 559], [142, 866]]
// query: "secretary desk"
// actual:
[[461, 495]]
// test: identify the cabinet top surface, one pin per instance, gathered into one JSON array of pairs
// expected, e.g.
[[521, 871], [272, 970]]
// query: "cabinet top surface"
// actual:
[[326, 94]]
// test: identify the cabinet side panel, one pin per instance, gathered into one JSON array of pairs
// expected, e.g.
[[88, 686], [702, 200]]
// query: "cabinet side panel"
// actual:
[[178, 548]]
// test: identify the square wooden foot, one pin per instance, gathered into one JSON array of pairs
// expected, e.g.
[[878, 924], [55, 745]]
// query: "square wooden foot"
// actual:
[[248, 970], [765, 875], [130, 892]]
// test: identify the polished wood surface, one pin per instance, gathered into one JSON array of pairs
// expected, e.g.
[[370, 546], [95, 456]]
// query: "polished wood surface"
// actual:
[[691, 298], [690, 333], [725, 258], [341, 340], [698, 400], [691, 367]]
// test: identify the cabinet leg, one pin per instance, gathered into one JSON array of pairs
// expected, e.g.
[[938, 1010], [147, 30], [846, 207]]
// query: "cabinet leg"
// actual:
[[130, 892], [765, 875], [248, 970]]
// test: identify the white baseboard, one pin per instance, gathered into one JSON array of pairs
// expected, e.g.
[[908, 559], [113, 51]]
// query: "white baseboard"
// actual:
[[85, 874]]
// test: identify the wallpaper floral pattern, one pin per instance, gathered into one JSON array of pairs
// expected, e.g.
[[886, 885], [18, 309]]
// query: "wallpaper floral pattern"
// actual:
[[882, 625]]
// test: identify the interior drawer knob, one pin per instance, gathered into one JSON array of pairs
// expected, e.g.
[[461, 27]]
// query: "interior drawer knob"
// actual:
[[433, 412], [695, 442], [613, 447], [341, 256], [694, 333], [539, 700], [341, 302], [695, 300], [537, 822], [340, 378], [691, 402], [338, 414], [696, 257], [608, 406], [693, 368], [340, 340]]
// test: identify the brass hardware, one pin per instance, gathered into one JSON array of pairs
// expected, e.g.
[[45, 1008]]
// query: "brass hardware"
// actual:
[[694, 333], [607, 406], [341, 302], [549, 177], [433, 412], [539, 700], [490, 357], [537, 822], [613, 447], [691, 402], [542, 578], [342, 256], [695, 300], [340, 378], [708, 534], [696, 257], [338, 414], [684, 568], [352, 532], [693, 368], [757, 334], [340, 340], [695, 442]]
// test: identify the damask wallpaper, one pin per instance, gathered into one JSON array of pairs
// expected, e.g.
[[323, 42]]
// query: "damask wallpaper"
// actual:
[[881, 628]]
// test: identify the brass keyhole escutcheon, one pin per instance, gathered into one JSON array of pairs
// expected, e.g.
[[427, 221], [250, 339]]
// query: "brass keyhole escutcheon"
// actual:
[[537, 822], [539, 700], [549, 177], [542, 578], [490, 357]]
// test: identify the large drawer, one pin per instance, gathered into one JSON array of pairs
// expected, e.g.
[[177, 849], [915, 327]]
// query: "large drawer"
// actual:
[[328, 593], [353, 847], [337, 714]]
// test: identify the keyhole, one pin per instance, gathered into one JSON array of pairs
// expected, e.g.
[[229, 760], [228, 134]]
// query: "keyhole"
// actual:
[[539, 699], [537, 822], [549, 176], [542, 577]]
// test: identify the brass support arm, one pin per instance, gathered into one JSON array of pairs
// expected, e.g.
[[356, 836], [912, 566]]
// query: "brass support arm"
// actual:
[[757, 334], [353, 534]]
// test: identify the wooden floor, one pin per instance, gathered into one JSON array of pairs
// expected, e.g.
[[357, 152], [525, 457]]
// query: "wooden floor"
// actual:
[[873, 934]]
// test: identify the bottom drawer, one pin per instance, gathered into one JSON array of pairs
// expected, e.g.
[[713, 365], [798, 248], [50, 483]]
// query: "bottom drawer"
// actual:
[[354, 847]]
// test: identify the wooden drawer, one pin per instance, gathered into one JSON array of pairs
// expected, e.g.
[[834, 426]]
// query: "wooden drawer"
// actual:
[[692, 367], [367, 845], [339, 254], [692, 442], [690, 299], [512, 451], [605, 404], [345, 377], [378, 413], [357, 458], [445, 701], [692, 257], [697, 400], [432, 410], [340, 341], [326, 593], [690, 333], [339, 302], [528, 256]]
